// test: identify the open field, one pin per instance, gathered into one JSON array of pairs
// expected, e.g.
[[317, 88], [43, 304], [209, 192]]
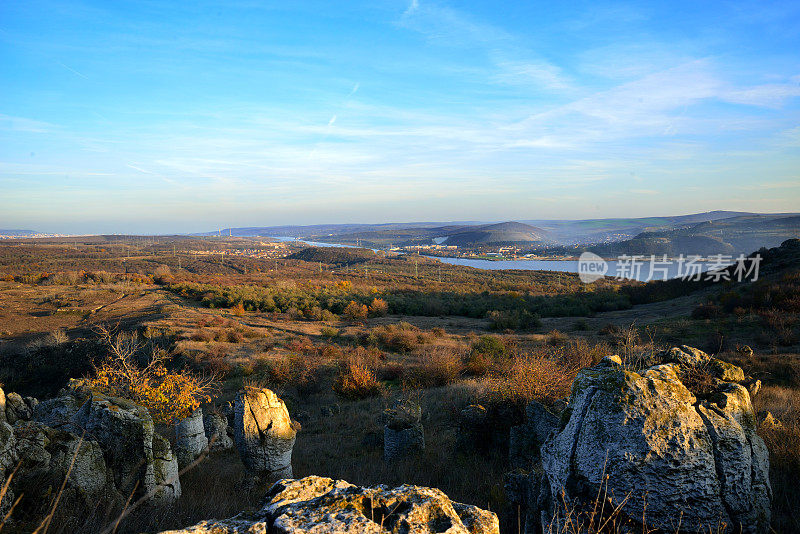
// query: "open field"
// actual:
[[301, 327]]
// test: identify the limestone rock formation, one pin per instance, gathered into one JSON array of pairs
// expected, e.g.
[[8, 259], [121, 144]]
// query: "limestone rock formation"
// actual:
[[324, 506], [46, 456], [124, 430], [402, 431], [190, 438], [217, 431], [658, 449], [264, 433], [16, 408]]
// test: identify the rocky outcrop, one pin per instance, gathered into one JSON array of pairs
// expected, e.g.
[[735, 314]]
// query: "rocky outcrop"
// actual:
[[190, 438], [218, 433], [402, 431], [124, 430], [46, 456], [324, 506], [264, 433], [17, 409], [100, 449], [681, 457]]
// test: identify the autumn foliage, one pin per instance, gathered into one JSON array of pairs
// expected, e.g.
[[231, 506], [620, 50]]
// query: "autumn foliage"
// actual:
[[167, 395]]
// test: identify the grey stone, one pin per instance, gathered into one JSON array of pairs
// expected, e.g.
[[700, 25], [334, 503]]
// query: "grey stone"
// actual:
[[526, 439], [263, 433], [403, 433], [57, 412], [16, 409], [125, 432], [217, 431], [646, 440], [190, 438], [47, 455]]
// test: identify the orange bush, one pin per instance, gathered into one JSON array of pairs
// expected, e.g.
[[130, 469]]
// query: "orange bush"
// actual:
[[167, 395], [378, 308], [357, 381], [356, 312]]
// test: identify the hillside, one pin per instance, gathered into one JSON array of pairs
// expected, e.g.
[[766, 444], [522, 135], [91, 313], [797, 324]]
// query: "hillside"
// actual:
[[508, 233], [732, 236], [599, 230], [333, 255]]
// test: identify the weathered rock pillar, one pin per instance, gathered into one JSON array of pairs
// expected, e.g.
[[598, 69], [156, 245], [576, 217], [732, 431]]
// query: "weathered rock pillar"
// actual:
[[402, 431], [264, 433]]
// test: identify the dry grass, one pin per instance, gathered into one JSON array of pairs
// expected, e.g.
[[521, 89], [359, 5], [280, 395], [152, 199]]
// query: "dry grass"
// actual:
[[783, 443]]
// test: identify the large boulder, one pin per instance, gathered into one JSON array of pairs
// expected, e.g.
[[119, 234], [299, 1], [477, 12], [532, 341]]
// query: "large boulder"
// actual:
[[324, 506], [682, 460], [264, 433], [402, 431], [124, 430], [190, 438], [16, 408], [47, 455]]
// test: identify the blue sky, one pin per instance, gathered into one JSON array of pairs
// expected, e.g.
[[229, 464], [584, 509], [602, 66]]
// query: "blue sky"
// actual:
[[189, 116]]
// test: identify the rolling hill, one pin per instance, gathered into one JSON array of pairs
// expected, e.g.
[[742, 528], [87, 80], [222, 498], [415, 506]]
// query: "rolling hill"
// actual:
[[507, 233], [730, 236]]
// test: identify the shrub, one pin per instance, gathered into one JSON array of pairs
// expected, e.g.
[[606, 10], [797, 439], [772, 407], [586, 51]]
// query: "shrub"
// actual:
[[329, 332], [477, 364], [513, 320], [378, 308], [203, 334], [162, 275], [556, 338], [531, 377], [357, 381], [167, 395], [581, 325], [355, 312], [441, 365], [706, 311], [238, 309], [491, 346]]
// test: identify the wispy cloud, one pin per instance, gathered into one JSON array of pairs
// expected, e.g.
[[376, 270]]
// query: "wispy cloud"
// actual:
[[412, 7]]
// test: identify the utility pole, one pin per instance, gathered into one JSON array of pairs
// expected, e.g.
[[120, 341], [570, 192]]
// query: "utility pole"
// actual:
[[416, 270]]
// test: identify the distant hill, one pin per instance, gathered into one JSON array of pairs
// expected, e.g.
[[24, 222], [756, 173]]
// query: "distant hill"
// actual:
[[17, 232], [329, 230], [604, 230], [729, 236], [650, 233], [507, 233]]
